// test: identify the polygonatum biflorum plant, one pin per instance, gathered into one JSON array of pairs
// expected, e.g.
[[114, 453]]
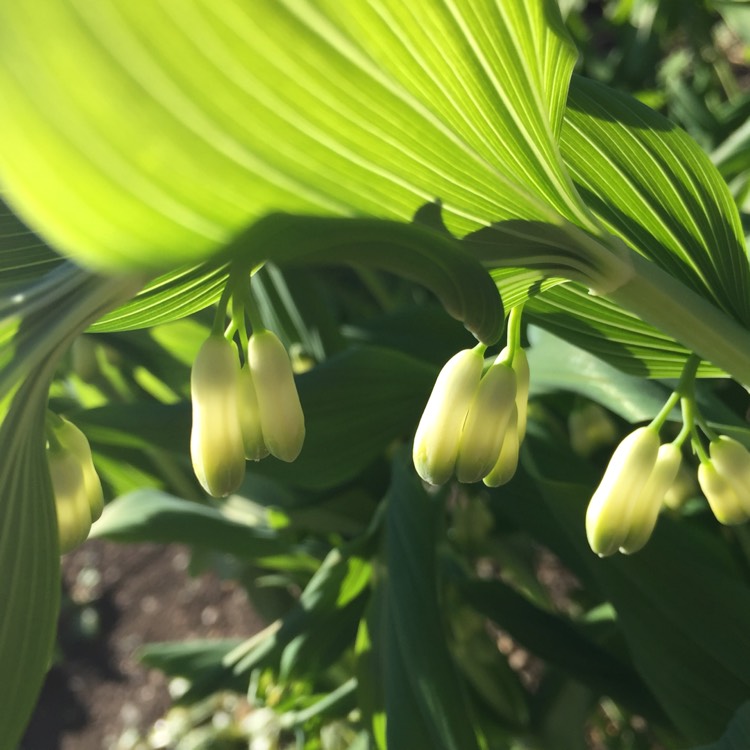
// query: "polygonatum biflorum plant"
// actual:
[[166, 154]]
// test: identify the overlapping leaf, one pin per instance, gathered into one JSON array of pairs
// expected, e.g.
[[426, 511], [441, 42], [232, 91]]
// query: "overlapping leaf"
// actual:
[[149, 135]]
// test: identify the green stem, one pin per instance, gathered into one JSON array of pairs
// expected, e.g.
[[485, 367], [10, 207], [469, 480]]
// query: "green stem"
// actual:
[[664, 302], [251, 308], [514, 331]]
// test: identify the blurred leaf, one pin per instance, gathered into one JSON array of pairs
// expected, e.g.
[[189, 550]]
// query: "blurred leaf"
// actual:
[[153, 516], [556, 364], [23, 256], [320, 625], [200, 662], [737, 735]]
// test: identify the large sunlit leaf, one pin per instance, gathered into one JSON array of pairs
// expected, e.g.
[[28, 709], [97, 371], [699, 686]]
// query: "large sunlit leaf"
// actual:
[[150, 134], [415, 251], [652, 185]]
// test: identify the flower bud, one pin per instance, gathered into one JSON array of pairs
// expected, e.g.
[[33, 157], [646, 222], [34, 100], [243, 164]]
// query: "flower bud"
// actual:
[[590, 428], [486, 423], [684, 487], [507, 463], [71, 438], [281, 418], [732, 461], [721, 494], [644, 509], [252, 434], [216, 445], [521, 368], [439, 432], [71, 501], [628, 471]]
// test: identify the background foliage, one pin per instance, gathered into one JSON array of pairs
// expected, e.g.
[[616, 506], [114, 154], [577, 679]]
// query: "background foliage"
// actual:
[[403, 611]]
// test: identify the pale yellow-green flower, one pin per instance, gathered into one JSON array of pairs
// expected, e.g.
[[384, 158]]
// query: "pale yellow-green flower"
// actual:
[[722, 494], [628, 471], [281, 419], [645, 507], [486, 423], [71, 500], [438, 435], [732, 461], [70, 437], [507, 463], [216, 445], [252, 433]]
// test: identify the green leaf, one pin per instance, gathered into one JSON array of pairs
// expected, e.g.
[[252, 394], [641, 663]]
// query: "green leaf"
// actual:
[[654, 187], [557, 365], [320, 625], [23, 256], [737, 736], [415, 648], [681, 602], [36, 326], [355, 405], [201, 662], [29, 558], [217, 115], [150, 515]]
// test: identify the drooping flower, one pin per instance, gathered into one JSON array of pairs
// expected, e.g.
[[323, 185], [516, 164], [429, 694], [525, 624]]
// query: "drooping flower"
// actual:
[[76, 442], [732, 460], [438, 435], [282, 421], [722, 494], [507, 463], [71, 500], [486, 423], [609, 514], [216, 444], [645, 507], [252, 433]]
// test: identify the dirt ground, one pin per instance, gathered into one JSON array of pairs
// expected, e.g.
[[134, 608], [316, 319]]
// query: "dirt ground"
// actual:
[[121, 597]]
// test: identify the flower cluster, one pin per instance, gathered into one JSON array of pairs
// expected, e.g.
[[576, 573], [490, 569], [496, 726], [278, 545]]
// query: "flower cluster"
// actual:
[[725, 480], [474, 423], [625, 507], [640, 478], [79, 500], [243, 412]]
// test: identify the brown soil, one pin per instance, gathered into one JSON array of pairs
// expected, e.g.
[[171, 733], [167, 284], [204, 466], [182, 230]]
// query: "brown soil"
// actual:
[[121, 597]]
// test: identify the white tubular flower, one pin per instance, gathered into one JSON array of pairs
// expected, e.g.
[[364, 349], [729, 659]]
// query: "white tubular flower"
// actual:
[[521, 368], [71, 438], [507, 463], [631, 465], [71, 500], [439, 432], [486, 423], [721, 494], [216, 445], [281, 418], [644, 509], [252, 434], [732, 461]]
